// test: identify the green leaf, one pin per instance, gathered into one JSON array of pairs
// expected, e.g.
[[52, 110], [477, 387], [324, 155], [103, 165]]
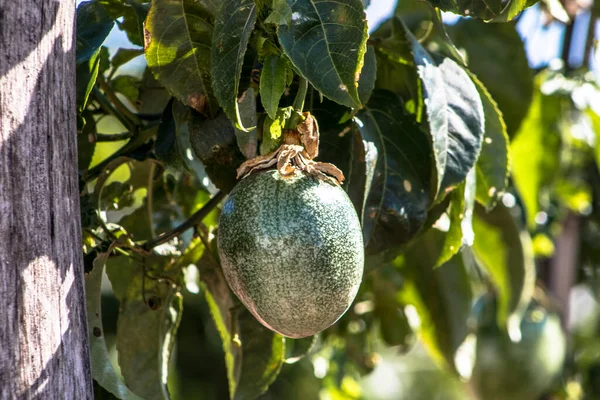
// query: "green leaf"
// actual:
[[454, 236], [400, 192], [102, 369], [281, 14], [535, 152], [85, 76], [93, 26], [493, 164], [214, 143], [366, 82], [326, 42], [178, 38], [441, 296], [86, 143], [123, 56], [149, 314], [496, 54], [454, 113], [262, 357], [233, 26], [505, 252], [272, 83], [253, 354]]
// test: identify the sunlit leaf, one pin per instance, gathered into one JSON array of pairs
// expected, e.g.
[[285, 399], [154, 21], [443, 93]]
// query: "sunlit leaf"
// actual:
[[233, 26], [505, 252], [535, 152], [326, 42], [178, 50], [400, 192]]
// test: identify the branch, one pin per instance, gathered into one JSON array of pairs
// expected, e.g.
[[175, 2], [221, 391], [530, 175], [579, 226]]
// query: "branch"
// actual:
[[190, 223], [104, 137]]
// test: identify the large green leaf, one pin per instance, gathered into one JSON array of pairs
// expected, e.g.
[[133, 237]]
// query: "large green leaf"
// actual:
[[253, 354], [93, 26], [535, 152], [496, 54], [454, 112], [326, 42], [233, 26], [505, 252], [178, 50], [493, 164], [400, 192], [149, 314], [102, 369], [441, 297]]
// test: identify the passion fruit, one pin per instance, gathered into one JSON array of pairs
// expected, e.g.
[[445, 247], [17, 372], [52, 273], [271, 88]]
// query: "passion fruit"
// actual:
[[291, 249]]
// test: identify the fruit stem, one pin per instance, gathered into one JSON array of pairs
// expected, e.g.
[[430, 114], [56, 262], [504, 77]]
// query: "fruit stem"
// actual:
[[298, 104]]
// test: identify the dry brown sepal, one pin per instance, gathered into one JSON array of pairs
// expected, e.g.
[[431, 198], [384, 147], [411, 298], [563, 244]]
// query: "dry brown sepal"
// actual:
[[299, 147]]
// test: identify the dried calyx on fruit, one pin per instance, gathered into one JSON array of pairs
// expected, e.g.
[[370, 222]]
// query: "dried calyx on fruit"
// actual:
[[300, 146]]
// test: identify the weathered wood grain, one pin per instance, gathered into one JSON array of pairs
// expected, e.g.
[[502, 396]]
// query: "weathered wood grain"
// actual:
[[43, 336]]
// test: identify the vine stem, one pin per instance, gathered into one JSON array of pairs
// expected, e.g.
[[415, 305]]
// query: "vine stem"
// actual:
[[189, 223]]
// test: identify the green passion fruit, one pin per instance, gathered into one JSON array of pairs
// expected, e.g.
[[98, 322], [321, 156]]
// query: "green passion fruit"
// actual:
[[291, 249], [524, 370]]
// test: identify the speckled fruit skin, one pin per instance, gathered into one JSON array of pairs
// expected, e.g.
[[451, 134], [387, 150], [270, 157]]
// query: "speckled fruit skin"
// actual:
[[291, 250]]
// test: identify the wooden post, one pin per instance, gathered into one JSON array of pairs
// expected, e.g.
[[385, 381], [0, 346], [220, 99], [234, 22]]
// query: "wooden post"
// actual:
[[44, 350]]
